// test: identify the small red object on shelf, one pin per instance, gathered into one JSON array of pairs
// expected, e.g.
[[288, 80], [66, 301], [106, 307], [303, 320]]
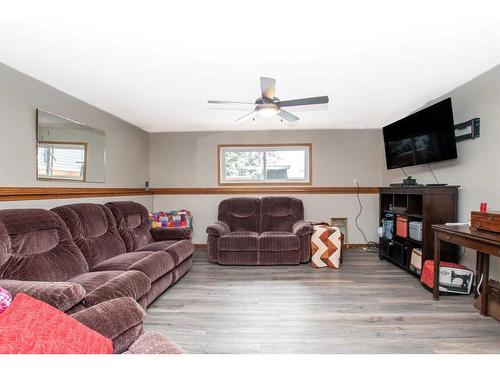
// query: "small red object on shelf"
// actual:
[[401, 226], [483, 207]]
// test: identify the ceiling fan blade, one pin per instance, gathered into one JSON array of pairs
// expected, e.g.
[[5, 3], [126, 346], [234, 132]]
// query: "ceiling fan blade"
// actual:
[[244, 117], [304, 101], [287, 116], [267, 87], [227, 102]]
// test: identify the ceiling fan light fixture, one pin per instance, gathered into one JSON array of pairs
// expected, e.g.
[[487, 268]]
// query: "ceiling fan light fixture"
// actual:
[[268, 110]]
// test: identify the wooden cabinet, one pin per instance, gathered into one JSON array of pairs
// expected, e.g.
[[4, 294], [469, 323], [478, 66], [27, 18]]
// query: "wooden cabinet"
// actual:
[[426, 204]]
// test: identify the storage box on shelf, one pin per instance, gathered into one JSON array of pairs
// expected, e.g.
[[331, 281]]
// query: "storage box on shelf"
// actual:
[[407, 214]]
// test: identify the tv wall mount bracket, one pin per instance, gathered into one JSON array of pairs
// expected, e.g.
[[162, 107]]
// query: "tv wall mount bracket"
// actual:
[[474, 129]]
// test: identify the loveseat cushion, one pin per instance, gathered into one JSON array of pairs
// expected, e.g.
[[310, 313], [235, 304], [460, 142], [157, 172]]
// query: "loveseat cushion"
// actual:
[[178, 250], [241, 214], [105, 285], [154, 265], [280, 213], [278, 241], [239, 241]]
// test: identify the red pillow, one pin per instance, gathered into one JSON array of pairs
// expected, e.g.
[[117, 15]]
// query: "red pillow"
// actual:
[[30, 326]]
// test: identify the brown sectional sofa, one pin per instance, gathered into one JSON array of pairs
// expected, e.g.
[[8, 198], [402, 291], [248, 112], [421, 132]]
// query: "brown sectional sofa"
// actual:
[[37, 250], [94, 260], [77, 259], [260, 231]]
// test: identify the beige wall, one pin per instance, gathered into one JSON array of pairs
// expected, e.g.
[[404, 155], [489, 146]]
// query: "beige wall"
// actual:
[[146, 200], [477, 169], [339, 156], [127, 147]]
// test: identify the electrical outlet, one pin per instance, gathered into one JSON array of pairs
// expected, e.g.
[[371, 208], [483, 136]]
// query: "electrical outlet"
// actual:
[[355, 182]]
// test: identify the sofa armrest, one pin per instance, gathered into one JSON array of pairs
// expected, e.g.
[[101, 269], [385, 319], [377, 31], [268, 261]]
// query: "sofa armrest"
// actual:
[[218, 229], [154, 343], [122, 285], [165, 234], [302, 228], [113, 318], [61, 295]]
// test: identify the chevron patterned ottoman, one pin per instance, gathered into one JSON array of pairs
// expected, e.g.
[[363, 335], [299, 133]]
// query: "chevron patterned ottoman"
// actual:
[[326, 246]]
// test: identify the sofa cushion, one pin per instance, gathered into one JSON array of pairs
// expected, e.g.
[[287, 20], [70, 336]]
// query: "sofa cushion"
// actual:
[[179, 250], [132, 221], [280, 213], [112, 318], [105, 285], [93, 229], [39, 247], [92, 280], [62, 295], [154, 343], [154, 265], [239, 241], [157, 246], [241, 214], [278, 241], [30, 326]]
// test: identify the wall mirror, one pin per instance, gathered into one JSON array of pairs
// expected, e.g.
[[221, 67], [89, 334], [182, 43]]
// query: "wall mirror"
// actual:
[[69, 150]]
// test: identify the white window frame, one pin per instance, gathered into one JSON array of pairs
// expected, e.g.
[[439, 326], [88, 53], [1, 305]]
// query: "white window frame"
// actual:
[[222, 148]]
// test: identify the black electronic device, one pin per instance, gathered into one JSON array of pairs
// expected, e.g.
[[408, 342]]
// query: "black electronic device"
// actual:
[[422, 137]]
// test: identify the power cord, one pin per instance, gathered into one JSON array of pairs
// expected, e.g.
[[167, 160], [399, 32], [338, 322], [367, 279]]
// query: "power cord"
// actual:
[[429, 165], [406, 174], [371, 246]]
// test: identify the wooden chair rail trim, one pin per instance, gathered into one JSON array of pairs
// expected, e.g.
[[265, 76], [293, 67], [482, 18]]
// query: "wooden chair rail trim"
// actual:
[[266, 190], [40, 193]]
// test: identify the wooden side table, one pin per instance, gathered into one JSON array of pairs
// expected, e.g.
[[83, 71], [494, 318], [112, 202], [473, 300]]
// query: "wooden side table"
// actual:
[[484, 243]]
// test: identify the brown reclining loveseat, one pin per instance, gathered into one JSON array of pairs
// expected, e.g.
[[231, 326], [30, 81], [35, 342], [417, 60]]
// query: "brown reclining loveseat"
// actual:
[[260, 231]]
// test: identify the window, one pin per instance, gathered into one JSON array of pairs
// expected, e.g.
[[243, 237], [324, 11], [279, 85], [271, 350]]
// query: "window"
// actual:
[[264, 164], [62, 160]]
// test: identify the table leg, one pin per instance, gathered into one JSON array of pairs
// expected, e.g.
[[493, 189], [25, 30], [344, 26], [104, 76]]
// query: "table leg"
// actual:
[[479, 272], [484, 286], [437, 259]]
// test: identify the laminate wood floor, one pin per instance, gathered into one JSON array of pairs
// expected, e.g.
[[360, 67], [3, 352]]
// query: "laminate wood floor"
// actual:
[[367, 306]]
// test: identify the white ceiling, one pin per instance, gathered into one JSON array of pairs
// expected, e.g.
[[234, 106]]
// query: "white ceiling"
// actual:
[[155, 64]]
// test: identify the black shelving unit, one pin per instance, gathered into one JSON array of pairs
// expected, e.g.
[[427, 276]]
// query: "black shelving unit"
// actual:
[[429, 205]]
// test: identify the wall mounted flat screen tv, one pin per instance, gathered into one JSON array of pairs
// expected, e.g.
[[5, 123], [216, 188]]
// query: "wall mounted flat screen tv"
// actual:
[[423, 137]]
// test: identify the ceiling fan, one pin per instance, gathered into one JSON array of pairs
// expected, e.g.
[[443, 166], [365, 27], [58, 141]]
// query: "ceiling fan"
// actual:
[[269, 106]]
